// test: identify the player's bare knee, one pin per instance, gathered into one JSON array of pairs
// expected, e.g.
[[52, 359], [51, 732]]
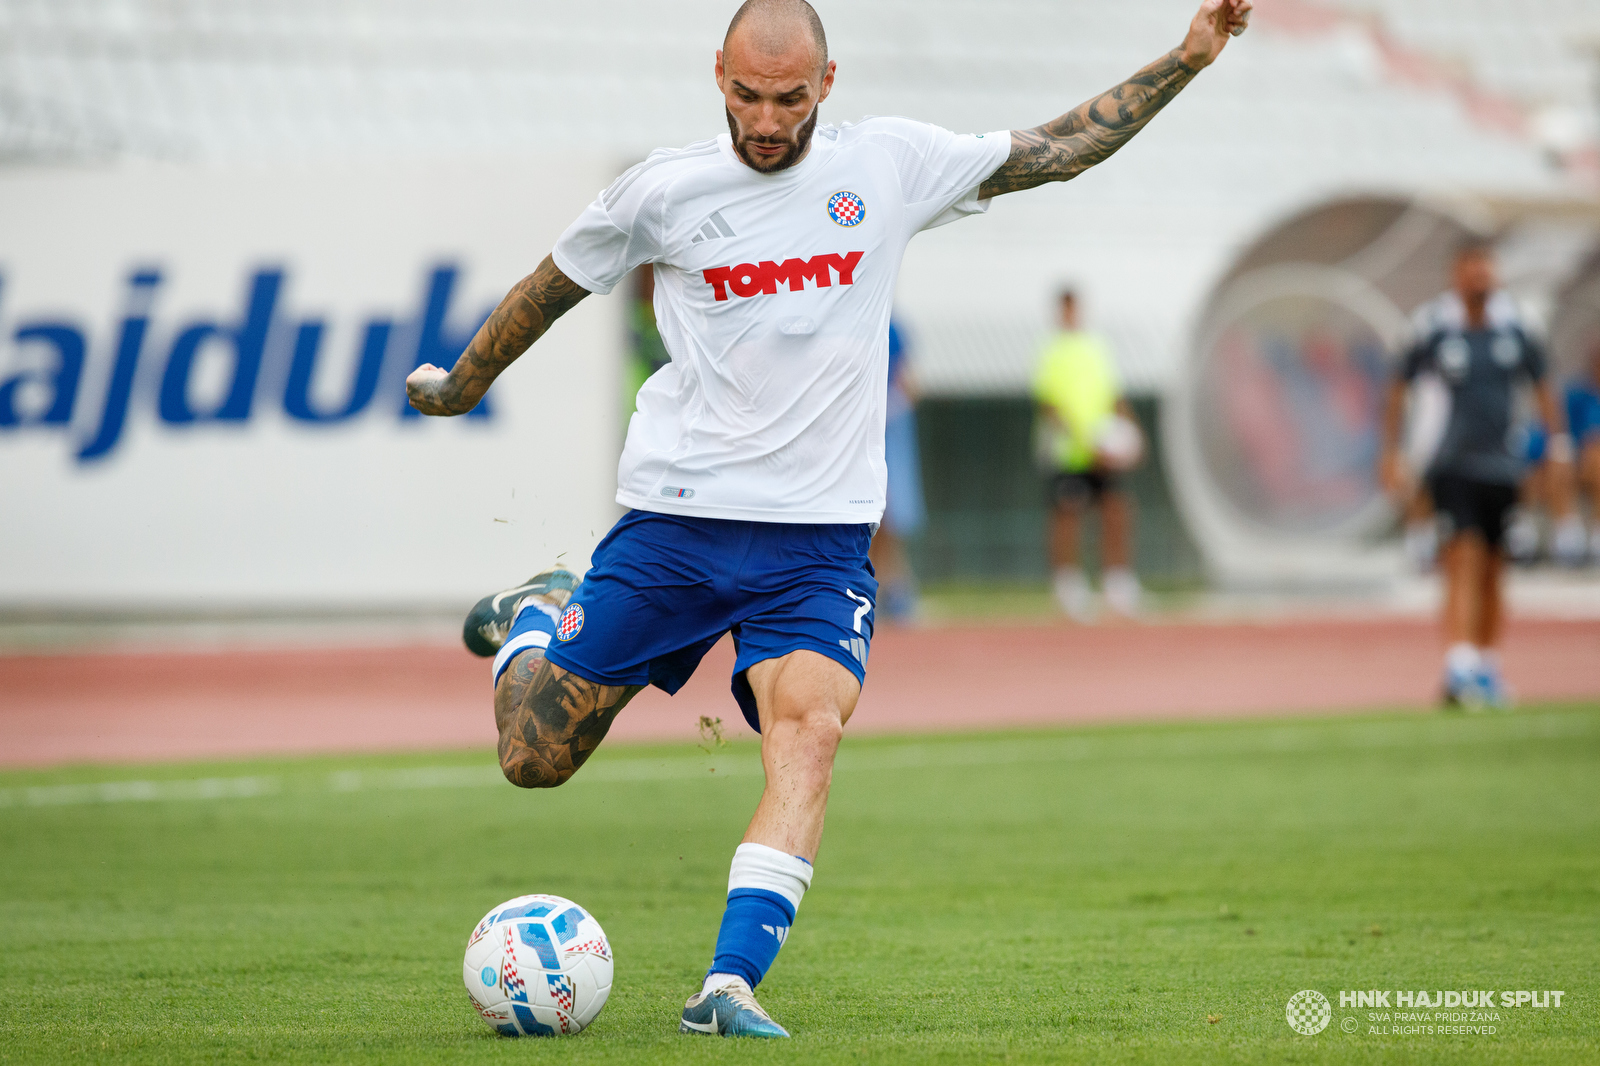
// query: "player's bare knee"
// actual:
[[813, 736], [824, 726]]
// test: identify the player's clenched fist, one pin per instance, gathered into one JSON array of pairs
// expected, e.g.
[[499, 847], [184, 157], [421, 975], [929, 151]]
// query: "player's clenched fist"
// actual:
[[1216, 21], [423, 388]]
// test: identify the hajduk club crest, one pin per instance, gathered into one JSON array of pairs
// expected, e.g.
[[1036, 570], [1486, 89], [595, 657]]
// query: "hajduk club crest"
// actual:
[[571, 622], [847, 209]]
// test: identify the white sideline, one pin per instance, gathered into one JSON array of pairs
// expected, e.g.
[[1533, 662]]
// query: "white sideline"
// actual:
[[909, 755]]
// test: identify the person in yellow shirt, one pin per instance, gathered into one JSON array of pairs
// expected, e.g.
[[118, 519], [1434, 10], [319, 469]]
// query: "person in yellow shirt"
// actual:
[[1088, 438]]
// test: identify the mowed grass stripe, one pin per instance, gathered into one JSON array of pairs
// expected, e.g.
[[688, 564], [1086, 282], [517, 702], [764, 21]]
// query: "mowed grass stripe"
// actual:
[[1093, 895], [896, 754]]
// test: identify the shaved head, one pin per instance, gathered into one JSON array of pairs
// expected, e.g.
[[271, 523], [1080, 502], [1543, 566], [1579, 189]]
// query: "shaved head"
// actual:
[[771, 26], [774, 72]]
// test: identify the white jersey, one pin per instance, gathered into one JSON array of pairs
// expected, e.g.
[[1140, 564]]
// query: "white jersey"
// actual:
[[772, 297]]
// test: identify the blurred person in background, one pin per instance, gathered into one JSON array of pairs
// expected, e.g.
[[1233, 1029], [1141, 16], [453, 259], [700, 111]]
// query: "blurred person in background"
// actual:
[[1545, 498], [1088, 439], [1473, 478], [1583, 422], [905, 512]]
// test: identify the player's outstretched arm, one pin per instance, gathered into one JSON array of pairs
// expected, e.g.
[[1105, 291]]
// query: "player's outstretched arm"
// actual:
[[1091, 132], [523, 316]]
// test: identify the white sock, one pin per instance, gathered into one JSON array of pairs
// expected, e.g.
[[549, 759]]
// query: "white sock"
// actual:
[[718, 980], [758, 866], [1122, 589], [1073, 593], [1462, 658]]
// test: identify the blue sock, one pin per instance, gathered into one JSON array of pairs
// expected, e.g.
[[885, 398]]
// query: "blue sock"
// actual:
[[533, 627], [754, 927], [764, 891]]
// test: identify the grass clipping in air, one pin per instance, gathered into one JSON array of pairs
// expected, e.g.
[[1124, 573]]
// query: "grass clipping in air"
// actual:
[[1151, 894]]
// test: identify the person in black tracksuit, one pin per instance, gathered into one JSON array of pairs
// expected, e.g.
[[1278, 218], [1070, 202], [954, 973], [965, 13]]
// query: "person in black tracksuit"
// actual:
[[1474, 475]]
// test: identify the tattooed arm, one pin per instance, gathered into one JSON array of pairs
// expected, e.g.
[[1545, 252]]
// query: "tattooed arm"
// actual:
[[1088, 134], [522, 318]]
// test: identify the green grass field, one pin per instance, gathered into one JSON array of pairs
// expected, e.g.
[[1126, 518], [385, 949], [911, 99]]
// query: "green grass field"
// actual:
[[1141, 894]]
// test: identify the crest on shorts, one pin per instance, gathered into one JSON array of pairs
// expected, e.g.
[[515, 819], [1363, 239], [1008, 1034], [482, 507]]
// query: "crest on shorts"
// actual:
[[571, 622], [847, 209]]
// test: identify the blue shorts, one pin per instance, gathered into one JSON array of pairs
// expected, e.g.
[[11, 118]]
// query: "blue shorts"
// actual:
[[664, 588], [1583, 413], [1534, 443]]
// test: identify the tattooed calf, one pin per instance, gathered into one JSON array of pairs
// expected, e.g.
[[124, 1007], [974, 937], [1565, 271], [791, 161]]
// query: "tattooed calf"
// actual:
[[551, 720]]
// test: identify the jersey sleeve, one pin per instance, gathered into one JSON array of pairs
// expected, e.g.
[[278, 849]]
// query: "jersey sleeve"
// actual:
[[621, 230], [1419, 359], [939, 171]]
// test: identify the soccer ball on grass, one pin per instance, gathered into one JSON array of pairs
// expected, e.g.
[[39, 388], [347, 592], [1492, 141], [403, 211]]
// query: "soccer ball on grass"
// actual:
[[538, 966]]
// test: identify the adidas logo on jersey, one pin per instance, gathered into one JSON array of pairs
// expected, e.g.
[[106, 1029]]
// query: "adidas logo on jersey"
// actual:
[[715, 229], [752, 279]]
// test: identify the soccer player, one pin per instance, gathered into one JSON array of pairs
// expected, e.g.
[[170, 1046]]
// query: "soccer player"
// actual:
[[1474, 474], [753, 468], [1075, 387]]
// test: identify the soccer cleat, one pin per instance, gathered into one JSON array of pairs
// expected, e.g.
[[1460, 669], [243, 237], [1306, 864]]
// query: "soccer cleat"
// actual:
[[1464, 690], [1496, 695], [488, 623], [730, 1009]]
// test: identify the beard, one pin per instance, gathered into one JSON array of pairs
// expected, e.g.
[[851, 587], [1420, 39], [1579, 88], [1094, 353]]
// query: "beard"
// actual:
[[795, 151]]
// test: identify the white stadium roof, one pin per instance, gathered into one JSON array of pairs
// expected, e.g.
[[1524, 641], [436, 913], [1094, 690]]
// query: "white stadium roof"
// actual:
[[1409, 96]]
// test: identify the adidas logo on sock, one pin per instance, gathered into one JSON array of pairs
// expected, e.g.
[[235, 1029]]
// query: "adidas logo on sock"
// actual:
[[781, 932], [716, 228]]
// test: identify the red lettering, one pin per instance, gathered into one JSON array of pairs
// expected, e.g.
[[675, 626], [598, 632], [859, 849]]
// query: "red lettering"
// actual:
[[772, 274], [846, 266], [795, 272], [718, 278], [748, 279]]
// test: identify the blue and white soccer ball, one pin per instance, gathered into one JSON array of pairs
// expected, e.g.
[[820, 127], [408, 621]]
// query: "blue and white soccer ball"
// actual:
[[538, 966]]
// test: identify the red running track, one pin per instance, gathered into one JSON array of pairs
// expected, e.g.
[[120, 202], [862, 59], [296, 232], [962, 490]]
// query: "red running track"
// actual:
[[125, 707]]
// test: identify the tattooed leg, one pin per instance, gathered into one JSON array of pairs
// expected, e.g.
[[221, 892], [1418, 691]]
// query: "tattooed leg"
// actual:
[[551, 720]]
